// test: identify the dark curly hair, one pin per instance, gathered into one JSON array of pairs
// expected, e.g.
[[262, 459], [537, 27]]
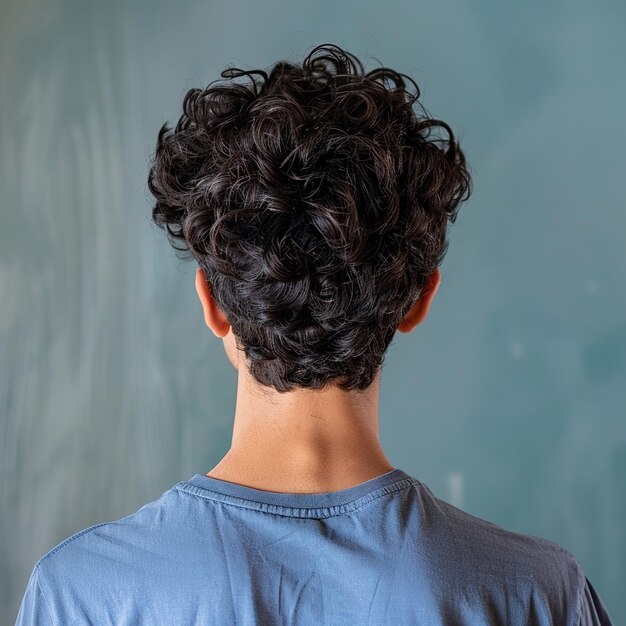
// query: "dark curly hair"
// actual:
[[316, 205]]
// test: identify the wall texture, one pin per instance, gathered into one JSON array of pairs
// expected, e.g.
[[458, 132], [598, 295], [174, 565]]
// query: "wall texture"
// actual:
[[508, 402]]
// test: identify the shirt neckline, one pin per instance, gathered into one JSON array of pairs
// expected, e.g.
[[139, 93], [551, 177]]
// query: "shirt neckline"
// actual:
[[297, 504]]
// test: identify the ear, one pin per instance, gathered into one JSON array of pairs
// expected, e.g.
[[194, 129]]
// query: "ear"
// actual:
[[419, 310], [213, 315]]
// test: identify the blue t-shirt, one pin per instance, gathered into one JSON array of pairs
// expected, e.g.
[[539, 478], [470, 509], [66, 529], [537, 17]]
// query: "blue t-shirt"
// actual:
[[386, 551]]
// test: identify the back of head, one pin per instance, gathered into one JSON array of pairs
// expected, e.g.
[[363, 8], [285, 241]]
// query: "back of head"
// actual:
[[317, 203]]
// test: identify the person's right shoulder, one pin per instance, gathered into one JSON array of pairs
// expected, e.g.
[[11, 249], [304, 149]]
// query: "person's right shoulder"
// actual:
[[520, 578]]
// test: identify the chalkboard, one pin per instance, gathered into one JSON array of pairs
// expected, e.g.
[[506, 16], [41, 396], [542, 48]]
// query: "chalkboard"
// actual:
[[508, 401]]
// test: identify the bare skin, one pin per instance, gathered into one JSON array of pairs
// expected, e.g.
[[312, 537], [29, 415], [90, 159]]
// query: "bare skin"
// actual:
[[303, 441]]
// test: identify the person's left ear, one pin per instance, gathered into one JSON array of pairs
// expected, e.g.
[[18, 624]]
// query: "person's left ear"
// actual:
[[213, 315]]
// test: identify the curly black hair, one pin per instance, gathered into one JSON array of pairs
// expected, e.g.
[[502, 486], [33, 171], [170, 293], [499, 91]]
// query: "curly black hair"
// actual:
[[317, 206]]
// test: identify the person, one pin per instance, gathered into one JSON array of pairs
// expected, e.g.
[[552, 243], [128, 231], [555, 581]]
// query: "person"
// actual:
[[315, 200]]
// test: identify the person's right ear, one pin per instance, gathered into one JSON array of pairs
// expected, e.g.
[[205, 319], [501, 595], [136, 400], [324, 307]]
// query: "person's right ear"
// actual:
[[419, 310]]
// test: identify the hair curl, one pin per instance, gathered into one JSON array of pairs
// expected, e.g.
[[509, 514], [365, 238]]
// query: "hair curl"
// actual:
[[316, 205]]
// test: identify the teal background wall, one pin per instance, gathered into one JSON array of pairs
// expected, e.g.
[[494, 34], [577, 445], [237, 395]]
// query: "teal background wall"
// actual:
[[508, 401]]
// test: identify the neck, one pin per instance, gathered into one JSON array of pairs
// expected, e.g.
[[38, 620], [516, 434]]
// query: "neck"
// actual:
[[303, 441]]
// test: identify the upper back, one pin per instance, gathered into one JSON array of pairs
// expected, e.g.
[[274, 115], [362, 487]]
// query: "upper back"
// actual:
[[387, 551]]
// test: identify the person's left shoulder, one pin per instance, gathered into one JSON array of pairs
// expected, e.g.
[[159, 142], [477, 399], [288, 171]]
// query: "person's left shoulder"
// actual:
[[93, 570]]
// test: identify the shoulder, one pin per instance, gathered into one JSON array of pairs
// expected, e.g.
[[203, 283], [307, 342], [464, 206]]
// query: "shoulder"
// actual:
[[149, 516], [94, 571], [503, 566], [119, 547]]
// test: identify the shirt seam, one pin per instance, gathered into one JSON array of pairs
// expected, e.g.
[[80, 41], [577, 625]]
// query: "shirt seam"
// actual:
[[335, 510], [66, 541], [581, 587], [43, 595]]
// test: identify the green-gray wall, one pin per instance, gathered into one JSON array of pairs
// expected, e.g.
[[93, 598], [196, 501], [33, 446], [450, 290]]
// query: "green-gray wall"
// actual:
[[508, 401]]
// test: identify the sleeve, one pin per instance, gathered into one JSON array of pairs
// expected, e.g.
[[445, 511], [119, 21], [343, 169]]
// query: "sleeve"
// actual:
[[34, 610], [591, 610]]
